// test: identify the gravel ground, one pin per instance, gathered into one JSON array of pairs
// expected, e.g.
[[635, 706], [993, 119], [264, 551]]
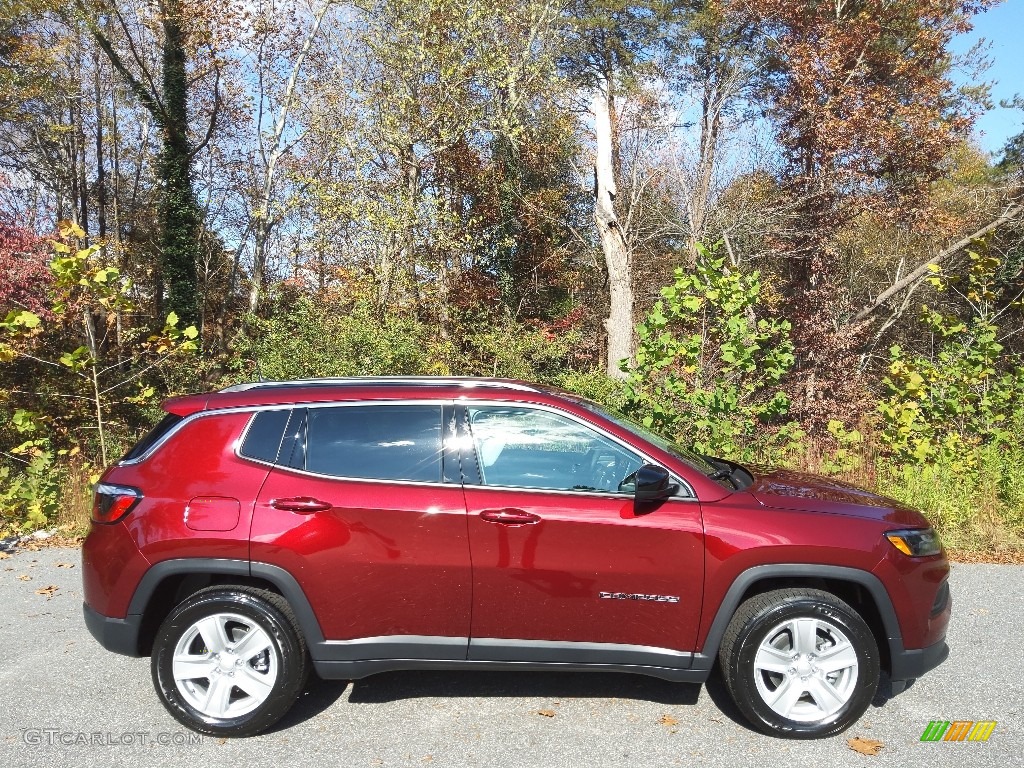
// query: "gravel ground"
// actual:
[[65, 701]]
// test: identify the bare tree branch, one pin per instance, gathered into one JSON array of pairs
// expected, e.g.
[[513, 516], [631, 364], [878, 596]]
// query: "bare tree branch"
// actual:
[[213, 117], [1010, 213]]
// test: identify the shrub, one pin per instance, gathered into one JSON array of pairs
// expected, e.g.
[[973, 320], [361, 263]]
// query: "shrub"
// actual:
[[707, 369]]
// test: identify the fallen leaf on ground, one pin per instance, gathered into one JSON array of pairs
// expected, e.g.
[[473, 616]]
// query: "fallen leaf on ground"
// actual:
[[4, 555], [49, 591], [668, 720], [65, 565], [546, 712], [24, 577], [865, 746]]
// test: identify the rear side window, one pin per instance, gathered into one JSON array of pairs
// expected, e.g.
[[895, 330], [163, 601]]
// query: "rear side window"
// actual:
[[375, 442], [263, 438], [165, 425]]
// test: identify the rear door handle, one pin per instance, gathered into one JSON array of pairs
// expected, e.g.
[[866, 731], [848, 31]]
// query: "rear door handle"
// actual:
[[306, 505], [509, 516]]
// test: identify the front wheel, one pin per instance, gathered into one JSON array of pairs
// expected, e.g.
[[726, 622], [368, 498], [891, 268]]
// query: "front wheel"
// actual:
[[799, 663], [229, 661]]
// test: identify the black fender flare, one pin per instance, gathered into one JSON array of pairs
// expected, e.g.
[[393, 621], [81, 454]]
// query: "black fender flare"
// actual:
[[705, 659], [281, 579]]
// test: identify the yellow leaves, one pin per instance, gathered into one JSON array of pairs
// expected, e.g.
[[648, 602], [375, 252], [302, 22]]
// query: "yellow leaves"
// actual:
[[172, 339], [865, 746], [70, 229]]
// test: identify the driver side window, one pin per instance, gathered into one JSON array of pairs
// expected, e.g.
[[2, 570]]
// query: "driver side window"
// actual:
[[518, 447]]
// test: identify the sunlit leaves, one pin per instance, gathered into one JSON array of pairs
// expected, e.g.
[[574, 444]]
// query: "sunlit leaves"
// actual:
[[707, 369], [938, 407]]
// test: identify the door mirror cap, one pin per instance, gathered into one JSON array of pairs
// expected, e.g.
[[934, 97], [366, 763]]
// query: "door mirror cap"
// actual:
[[653, 483]]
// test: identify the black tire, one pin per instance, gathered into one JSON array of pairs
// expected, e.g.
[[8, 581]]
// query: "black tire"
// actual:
[[813, 699], [230, 694]]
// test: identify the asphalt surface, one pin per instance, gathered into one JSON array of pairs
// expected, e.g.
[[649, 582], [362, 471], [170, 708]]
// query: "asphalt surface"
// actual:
[[64, 701]]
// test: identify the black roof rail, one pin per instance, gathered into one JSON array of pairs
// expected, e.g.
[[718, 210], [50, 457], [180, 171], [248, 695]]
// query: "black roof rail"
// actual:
[[386, 381]]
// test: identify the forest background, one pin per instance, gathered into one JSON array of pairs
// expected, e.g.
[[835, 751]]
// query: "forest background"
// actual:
[[763, 227]]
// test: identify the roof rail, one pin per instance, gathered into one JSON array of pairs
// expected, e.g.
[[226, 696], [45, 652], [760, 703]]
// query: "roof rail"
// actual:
[[386, 381]]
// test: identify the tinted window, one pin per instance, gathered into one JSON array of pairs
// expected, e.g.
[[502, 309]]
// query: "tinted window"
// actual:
[[529, 448], [378, 442], [161, 429], [263, 439]]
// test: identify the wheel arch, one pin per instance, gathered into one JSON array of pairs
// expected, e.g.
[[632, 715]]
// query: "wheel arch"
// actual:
[[169, 582], [861, 589]]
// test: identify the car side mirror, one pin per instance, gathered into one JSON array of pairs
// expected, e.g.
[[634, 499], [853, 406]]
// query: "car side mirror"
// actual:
[[653, 483]]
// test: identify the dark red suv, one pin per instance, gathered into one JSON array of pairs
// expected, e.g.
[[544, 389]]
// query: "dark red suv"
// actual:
[[366, 525]]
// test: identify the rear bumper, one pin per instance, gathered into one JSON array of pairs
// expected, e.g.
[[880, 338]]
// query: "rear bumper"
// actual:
[[910, 665], [117, 635]]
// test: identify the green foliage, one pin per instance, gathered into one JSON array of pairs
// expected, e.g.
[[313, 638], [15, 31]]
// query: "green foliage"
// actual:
[[513, 350], [333, 336], [979, 507], [938, 408], [595, 385], [952, 422], [66, 356], [30, 489], [320, 338], [708, 370]]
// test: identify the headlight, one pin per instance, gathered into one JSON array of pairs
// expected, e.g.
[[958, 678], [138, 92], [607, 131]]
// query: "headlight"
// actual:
[[919, 542]]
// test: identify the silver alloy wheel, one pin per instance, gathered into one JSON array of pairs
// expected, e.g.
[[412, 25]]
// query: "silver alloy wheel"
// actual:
[[225, 665], [806, 669]]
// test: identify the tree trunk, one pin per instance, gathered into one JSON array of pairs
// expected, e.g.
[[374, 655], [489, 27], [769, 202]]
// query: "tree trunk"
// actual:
[[261, 233], [619, 323], [710, 126], [101, 173], [179, 212]]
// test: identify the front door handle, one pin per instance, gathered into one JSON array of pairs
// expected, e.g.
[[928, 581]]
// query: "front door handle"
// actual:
[[303, 504], [509, 516]]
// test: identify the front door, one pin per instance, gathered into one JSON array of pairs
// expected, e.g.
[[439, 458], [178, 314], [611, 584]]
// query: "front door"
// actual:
[[566, 568]]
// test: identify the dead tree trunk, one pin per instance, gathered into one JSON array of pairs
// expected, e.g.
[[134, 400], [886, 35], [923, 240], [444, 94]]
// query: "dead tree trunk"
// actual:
[[619, 323]]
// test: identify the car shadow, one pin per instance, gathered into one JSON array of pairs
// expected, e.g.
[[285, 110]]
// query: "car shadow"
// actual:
[[886, 692], [320, 695], [722, 699]]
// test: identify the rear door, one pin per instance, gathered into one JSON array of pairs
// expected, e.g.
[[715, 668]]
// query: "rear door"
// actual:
[[565, 567], [358, 511]]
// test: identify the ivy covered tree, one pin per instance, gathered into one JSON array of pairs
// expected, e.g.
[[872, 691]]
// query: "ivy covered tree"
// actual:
[[171, 32]]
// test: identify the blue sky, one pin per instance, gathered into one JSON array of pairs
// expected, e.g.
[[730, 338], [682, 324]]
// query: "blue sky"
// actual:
[[1003, 27]]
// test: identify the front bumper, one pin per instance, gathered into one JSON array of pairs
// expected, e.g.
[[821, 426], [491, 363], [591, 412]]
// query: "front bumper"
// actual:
[[117, 635], [910, 665]]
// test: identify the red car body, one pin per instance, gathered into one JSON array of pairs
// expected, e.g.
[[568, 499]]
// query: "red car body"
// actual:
[[393, 574]]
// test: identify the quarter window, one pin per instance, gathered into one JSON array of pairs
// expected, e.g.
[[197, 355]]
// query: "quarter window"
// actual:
[[529, 448], [376, 442], [263, 438]]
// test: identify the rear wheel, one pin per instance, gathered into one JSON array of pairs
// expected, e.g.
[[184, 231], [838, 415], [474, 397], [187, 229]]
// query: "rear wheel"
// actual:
[[229, 661], [799, 663]]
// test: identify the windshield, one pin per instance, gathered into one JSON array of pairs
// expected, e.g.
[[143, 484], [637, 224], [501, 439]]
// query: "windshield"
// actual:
[[695, 460]]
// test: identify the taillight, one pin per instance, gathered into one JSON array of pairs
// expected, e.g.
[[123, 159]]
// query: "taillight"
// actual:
[[112, 502]]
